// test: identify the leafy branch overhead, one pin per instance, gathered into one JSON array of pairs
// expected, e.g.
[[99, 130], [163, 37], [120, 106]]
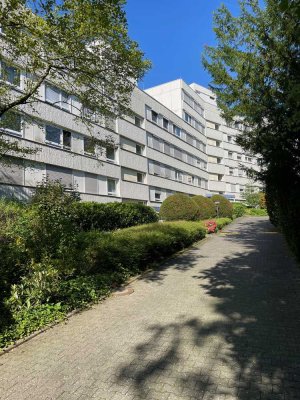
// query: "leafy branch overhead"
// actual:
[[82, 46]]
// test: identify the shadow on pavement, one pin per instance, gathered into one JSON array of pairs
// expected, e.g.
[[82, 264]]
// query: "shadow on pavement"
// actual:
[[251, 350]]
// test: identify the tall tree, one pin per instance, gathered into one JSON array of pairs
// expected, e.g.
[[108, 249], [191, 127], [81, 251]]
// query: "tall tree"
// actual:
[[81, 46], [255, 70]]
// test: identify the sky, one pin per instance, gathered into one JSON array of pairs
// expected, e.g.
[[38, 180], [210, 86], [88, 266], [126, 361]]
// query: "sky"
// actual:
[[172, 34]]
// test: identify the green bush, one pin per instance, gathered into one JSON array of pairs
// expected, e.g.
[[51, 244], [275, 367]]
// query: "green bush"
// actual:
[[225, 207], [178, 207], [239, 209], [134, 249], [257, 212], [221, 222], [112, 216], [45, 291], [206, 207]]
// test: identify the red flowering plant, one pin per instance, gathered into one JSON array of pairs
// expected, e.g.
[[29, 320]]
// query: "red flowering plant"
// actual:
[[211, 226]]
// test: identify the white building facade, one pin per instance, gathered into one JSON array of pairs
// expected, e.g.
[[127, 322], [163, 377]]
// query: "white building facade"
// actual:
[[169, 144]]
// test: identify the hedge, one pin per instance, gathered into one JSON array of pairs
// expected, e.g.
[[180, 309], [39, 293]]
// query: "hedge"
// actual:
[[224, 206], [112, 216], [206, 207], [134, 249], [178, 206], [101, 260], [239, 209]]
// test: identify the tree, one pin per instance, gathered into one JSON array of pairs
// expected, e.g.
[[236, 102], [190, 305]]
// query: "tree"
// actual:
[[251, 196], [255, 70], [80, 46]]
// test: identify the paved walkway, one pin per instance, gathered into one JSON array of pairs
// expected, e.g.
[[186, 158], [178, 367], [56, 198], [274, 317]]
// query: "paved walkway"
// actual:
[[221, 321]]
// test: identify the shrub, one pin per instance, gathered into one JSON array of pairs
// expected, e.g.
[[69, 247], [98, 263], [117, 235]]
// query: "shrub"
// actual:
[[206, 207], [134, 249], [257, 212], [221, 222], [111, 216], [211, 226], [178, 207], [225, 207], [239, 209]]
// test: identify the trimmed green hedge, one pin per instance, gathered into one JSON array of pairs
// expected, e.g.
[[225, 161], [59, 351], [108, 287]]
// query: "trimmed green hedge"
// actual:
[[178, 206], [101, 260], [206, 207], [112, 216], [225, 207], [134, 249]]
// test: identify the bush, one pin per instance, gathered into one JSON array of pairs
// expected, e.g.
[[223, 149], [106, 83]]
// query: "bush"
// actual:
[[206, 207], [225, 207], [178, 207], [239, 209], [100, 260], [257, 212], [134, 249], [221, 222], [112, 216]]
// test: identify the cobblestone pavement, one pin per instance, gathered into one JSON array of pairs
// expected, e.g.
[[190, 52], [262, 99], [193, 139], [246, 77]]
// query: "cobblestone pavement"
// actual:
[[219, 322]]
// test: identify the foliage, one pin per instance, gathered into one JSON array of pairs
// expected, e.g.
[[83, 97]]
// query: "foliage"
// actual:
[[239, 209], [81, 46], [134, 249], [262, 200], [111, 216], [40, 286], [255, 70], [221, 222], [251, 196], [178, 206], [257, 212], [206, 207], [52, 225], [224, 207]]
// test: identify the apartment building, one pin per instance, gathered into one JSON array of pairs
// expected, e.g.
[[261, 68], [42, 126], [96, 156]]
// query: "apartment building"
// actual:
[[227, 162], [156, 152]]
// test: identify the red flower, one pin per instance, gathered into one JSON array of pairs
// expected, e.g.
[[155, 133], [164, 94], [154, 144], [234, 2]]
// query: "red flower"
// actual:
[[211, 226]]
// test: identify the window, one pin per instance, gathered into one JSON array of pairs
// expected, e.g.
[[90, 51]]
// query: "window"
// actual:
[[11, 121], [55, 173], [167, 148], [59, 98], [229, 138], [178, 176], [176, 130], [154, 116], [249, 159], [156, 143], [157, 196], [177, 153], [219, 160], [217, 127], [10, 74], [187, 118], [230, 171], [239, 157], [191, 179], [138, 121], [230, 154], [111, 187], [67, 137], [218, 143], [240, 172], [89, 146], [140, 177], [91, 183], [139, 149], [110, 153], [220, 177], [165, 124], [189, 139], [53, 134]]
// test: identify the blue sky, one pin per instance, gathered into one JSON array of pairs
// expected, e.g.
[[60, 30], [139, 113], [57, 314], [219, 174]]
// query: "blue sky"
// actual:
[[172, 34]]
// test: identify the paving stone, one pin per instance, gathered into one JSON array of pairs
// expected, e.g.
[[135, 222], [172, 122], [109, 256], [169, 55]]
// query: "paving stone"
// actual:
[[219, 322]]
